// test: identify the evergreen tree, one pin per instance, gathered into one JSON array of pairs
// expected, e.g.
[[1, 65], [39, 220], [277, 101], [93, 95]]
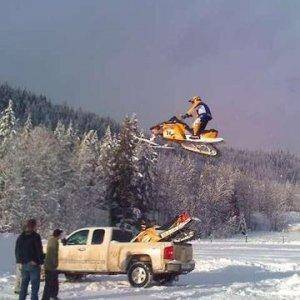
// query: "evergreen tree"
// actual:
[[66, 136], [89, 151], [60, 131], [106, 169], [71, 138], [86, 164], [145, 180], [124, 195], [71, 132], [27, 128], [7, 123]]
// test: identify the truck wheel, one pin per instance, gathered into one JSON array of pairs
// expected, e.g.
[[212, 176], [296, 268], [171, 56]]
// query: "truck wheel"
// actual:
[[73, 277], [164, 279], [139, 274]]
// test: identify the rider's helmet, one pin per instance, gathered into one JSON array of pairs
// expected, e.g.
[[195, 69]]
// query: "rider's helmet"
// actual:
[[195, 99]]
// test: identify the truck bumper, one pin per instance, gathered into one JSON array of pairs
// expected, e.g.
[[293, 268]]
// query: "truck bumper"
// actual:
[[179, 267]]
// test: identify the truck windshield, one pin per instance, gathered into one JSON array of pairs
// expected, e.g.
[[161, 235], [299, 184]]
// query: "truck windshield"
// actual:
[[122, 236]]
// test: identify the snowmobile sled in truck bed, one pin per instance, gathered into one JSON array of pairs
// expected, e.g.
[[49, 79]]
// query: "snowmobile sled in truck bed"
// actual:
[[176, 131], [177, 230]]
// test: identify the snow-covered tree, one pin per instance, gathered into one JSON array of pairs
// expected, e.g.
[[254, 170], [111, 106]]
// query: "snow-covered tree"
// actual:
[[125, 192], [215, 192], [33, 180], [72, 134], [106, 169], [87, 187], [71, 139], [27, 128], [176, 184], [28, 124], [67, 136], [7, 123], [275, 201], [60, 131], [146, 180], [89, 152]]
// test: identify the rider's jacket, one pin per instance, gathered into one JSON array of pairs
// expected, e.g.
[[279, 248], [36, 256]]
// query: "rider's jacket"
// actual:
[[203, 109], [199, 110]]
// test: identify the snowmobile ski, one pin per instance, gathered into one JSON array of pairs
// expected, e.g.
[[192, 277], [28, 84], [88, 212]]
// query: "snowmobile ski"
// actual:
[[205, 149], [153, 144]]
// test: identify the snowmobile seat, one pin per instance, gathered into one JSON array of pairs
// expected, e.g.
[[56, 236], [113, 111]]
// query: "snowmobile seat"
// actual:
[[210, 133]]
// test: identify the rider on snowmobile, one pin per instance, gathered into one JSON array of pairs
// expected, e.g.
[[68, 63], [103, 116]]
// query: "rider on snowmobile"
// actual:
[[201, 114]]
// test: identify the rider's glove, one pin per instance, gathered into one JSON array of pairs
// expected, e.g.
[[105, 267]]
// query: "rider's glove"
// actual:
[[185, 116]]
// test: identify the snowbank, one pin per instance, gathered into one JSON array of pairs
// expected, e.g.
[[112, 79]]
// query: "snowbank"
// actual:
[[7, 259]]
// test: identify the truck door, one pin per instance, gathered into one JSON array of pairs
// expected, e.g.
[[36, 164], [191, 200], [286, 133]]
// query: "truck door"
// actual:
[[96, 254], [72, 254], [119, 237]]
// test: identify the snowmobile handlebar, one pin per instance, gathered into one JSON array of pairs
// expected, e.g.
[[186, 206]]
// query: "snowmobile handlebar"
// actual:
[[185, 116], [174, 119]]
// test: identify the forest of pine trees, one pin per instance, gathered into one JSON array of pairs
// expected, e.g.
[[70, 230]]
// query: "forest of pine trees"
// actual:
[[61, 175], [43, 112]]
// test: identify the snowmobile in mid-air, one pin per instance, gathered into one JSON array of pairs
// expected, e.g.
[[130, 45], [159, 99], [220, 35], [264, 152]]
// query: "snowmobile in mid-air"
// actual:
[[177, 230], [176, 131]]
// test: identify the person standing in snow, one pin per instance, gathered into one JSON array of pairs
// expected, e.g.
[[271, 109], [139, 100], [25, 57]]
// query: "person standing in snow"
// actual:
[[50, 266], [17, 285], [29, 252]]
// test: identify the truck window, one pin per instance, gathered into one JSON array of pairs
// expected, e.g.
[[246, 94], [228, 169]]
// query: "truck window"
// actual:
[[122, 236], [78, 238], [98, 236]]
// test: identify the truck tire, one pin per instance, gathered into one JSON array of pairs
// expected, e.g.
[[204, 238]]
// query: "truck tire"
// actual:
[[164, 279], [73, 277], [139, 274]]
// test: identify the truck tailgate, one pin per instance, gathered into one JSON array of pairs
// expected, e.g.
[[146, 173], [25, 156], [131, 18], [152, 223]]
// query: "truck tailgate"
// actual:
[[183, 252]]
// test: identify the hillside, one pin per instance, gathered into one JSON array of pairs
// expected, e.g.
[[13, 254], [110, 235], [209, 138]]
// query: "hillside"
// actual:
[[277, 165], [62, 176], [46, 113]]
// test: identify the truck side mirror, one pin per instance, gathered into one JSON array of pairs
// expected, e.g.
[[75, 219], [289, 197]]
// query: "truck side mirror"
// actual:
[[64, 241]]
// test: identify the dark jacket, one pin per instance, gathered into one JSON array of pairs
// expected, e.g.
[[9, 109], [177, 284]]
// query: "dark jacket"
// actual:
[[51, 260], [29, 248]]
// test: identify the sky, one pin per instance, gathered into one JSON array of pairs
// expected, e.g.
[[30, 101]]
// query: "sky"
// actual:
[[148, 57]]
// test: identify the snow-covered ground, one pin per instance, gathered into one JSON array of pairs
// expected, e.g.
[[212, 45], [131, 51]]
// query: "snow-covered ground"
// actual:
[[262, 268]]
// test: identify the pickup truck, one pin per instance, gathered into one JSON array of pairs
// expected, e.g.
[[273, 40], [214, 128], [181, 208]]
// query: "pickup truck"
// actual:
[[109, 250]]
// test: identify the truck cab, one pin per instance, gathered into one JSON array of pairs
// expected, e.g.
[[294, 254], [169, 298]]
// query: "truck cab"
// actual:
[[87, 248]]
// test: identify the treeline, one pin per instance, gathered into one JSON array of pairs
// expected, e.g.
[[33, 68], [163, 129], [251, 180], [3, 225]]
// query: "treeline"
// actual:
[[277, 165], [63, 178], [223, 194], [43, 112]]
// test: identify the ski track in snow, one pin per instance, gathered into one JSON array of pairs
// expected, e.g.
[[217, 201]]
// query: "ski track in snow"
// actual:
[[263, 268]]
